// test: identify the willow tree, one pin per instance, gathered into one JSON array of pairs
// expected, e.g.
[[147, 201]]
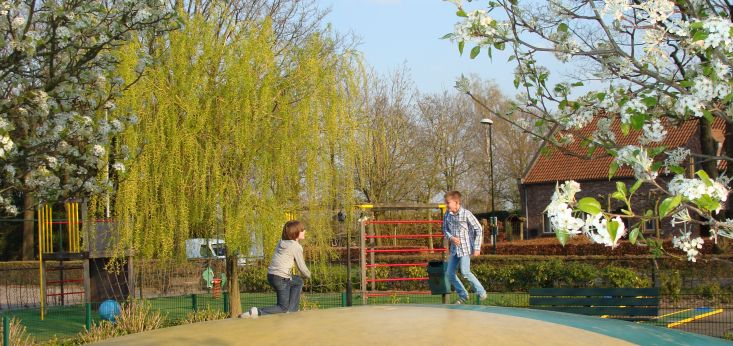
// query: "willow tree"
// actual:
[[232, 135]]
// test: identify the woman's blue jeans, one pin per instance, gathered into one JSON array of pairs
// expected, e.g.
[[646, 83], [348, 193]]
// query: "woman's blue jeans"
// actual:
[[288, 294]]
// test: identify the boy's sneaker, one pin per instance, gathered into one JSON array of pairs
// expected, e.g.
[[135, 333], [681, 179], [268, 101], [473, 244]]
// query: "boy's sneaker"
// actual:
[[482, 297], [460, 301]]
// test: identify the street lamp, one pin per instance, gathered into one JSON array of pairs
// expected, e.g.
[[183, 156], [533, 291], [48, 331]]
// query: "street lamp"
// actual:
[[341, 217], [489, 145]]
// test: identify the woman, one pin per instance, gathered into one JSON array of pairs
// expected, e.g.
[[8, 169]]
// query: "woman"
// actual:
[[286, 285]]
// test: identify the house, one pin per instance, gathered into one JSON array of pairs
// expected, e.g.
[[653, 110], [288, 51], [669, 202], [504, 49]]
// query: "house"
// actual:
[[546, 170]]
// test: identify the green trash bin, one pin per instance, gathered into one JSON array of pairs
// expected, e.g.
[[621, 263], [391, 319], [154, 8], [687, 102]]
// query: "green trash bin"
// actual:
[[437, 278]]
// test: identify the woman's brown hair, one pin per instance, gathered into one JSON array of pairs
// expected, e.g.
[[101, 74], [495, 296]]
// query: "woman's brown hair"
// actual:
[[292, 230]]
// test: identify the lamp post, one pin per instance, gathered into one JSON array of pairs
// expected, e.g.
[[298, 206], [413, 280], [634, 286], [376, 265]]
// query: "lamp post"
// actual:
[[489, 145], [341, 219]]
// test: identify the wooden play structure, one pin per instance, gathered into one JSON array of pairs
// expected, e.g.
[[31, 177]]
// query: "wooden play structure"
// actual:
[[371, 245], [77, 238]]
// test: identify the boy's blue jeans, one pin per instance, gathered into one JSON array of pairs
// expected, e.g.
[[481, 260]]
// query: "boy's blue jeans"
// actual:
[[464, 263]]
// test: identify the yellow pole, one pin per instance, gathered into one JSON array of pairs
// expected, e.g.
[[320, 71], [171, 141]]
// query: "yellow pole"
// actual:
[[40, 256]]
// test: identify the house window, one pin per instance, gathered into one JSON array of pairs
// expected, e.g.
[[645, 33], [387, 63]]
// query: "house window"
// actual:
[[546, 225]]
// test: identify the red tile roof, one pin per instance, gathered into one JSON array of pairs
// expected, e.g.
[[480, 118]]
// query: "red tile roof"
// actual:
[[558, 166]]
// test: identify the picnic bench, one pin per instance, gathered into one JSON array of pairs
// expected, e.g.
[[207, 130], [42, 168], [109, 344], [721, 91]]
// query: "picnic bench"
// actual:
[[631, 304]]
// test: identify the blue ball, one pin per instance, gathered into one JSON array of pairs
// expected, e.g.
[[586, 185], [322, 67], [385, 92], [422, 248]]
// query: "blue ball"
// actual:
[[109, 309]]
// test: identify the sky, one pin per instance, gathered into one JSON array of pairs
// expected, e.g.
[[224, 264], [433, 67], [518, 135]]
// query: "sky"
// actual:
[[394, 32]]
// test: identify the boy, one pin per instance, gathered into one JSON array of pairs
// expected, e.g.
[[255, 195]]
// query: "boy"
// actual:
[[464, 233]]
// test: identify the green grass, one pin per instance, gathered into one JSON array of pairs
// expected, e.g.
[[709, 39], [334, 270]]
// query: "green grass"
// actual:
[[66, 322]]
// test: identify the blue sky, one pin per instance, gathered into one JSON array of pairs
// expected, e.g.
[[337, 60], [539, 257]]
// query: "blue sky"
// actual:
[[409, 31]]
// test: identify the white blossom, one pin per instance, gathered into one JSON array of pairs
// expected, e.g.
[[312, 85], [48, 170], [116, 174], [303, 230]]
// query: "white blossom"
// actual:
[[597, 229], [675, 157], [653, 132], [98, 150], [691, 247], [638, 159], [119, 167], [693, 189]]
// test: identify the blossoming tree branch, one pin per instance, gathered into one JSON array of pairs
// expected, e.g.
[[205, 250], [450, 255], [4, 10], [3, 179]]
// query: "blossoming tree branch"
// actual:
[[58, 66], [653, 64]]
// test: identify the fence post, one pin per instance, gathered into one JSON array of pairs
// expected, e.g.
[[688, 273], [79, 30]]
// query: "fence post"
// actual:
[[88, 316], [6, 331], [343, 299], [194, 305], [226, 302]]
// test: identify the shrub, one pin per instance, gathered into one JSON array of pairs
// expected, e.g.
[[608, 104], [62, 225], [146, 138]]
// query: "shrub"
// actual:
[[623, 277], [672, 284], [135, 316], [18, 334], [207, 314]]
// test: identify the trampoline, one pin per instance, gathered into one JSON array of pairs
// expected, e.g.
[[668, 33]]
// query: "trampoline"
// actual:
[[418, 325]]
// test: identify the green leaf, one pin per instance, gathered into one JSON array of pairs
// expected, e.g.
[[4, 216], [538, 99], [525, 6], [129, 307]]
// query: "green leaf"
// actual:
[[589, 205], [704, 177], [687, 84], [612, 229], [562, 27], [511, 58], [612, 169], [578, 84], [633, 235], [475, 51], [500, 45], [649, 101], [668, 205], [637, 121], [461, 13], [707, 203], [447, 36], [625, 128], [619, 196], [708, 116], [562, 236], [621, 187], [699, 36], [656, 151], [460, 47], [728, 98], [601, 96], [627, 212], [635, 187], [676, 169]]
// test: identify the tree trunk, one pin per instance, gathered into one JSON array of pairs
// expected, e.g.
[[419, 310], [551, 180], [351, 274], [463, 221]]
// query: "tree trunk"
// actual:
[[729, 166], [708, 147], [28, 229], [235, 306]]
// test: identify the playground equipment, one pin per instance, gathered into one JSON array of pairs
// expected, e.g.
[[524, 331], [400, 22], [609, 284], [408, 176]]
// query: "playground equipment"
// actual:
[[77, 238], [370, 246], [109, 309]]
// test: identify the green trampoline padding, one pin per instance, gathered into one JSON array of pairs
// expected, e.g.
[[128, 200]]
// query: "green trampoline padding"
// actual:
[[637, 333]]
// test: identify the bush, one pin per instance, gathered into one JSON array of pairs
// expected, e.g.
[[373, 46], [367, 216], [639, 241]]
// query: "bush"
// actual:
[[622, 277], [207, 314], [134, 317], [18, 334], [672, 284]]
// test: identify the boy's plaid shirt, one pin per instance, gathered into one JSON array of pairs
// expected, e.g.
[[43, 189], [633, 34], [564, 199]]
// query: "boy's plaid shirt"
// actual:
[[466, 227]]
